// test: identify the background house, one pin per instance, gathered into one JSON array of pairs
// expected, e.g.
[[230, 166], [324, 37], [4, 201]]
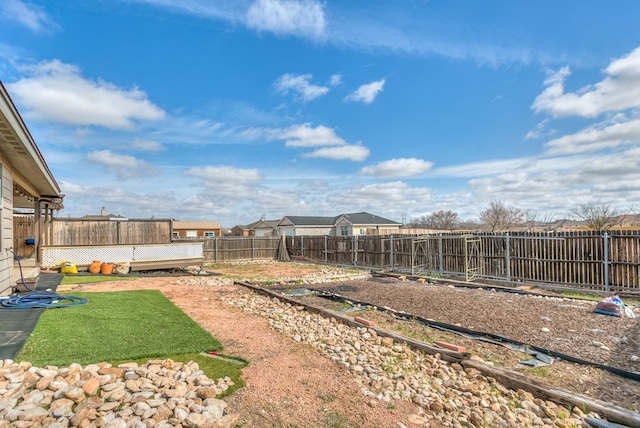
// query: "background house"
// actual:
[[257, 228], [341, 225], [304, 225], [242, 230], [103, 216], [26, 184], [359, 223], [195, 229], [265, 228]]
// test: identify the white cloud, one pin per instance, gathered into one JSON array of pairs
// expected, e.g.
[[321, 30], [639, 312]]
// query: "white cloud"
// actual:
[[29, 15], [540, 131], [355, 152], [306, 136], [389, 199], [481, 168], [57, 92], [303, 18], [367, 92], [619, 90], [123, 166], [224, 173], [558, 184], [300, 84], [404, 167], [336, 79], [146, 145], [597, 137], [231, 183]]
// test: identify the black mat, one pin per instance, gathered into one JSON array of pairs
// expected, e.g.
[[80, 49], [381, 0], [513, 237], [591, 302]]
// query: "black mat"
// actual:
[[17, 324]]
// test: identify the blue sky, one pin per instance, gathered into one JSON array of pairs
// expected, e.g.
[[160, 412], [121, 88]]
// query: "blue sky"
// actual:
[[227, 110]]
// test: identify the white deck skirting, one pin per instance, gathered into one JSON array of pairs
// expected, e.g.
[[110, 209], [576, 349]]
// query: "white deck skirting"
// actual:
[[141, 257]]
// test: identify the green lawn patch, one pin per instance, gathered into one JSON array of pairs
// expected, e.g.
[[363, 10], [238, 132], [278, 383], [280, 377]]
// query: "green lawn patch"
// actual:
[[88, 279], [115, 326]]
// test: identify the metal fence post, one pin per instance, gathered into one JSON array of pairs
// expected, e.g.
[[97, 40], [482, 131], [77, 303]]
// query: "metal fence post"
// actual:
[[605, 237], [302, 246], [391, 252], [440, 256], [507, 256], [355, 250], [325, 248]]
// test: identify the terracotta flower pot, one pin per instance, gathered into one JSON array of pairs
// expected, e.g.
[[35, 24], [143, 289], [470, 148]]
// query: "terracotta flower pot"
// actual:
[[106, 268], [95, 267]]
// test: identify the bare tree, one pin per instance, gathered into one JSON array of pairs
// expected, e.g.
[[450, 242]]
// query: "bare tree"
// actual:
[[499, 217], [597, 217], [536, 220], [443, 220]]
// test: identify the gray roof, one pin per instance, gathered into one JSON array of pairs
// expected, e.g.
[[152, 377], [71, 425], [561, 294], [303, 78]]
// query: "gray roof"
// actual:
[[310, 220], [353, 218], [365, 218]]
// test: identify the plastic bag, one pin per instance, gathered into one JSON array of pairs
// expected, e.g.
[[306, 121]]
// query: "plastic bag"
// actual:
[[613, 306], [69, 267]]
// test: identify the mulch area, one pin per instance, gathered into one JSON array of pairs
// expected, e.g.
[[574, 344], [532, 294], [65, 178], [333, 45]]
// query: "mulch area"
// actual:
[[568, 326]]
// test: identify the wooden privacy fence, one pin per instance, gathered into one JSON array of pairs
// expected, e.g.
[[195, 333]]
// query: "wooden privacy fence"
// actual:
[[591, 260], [240, 248], [66, 232]]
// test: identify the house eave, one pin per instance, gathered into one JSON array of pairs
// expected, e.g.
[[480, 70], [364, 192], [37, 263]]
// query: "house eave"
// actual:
[[31, 172]]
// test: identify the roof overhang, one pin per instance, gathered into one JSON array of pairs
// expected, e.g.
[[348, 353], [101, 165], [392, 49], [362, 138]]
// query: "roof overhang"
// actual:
[[31, 176]]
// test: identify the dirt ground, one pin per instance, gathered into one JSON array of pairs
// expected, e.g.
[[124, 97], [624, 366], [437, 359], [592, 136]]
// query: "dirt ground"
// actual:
[[566, 326], [289, 384]]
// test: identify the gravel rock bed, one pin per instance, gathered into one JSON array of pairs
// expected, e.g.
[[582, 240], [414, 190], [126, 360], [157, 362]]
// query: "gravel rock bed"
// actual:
[[157, 394], [563, 325], [450, 395]]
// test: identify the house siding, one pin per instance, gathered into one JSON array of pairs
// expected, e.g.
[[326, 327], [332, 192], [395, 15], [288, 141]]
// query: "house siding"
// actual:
[[6, 229]]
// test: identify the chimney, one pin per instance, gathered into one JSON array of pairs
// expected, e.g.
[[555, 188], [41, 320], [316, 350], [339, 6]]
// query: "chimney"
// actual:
[[103, 212]]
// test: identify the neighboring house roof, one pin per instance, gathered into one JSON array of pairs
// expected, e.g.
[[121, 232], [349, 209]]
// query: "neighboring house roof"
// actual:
[[103, 217], [265, 224], [193, 225], [365, 218], [20, 150], [308, 221]]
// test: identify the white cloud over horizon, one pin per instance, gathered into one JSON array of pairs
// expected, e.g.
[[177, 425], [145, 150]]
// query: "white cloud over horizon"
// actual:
[[619, 90], [300, 85], [404, 167], [56, 92], [31, 16], [303, 18], [305, 135], [366, 93], [124, 167], [352, 152]]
